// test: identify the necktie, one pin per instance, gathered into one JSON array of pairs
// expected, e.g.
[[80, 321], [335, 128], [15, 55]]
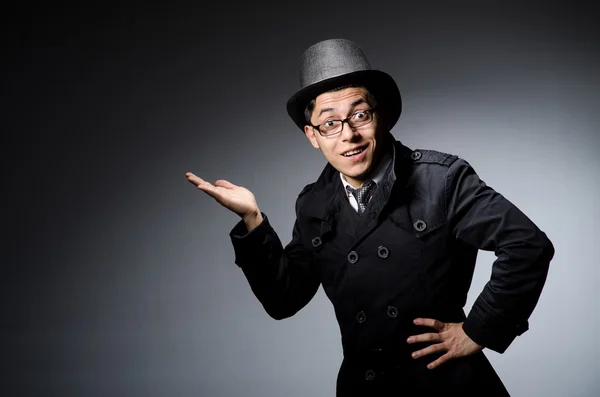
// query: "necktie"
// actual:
[[362, 194]]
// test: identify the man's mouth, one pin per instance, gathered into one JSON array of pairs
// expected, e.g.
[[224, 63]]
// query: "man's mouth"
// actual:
[[354, 152]]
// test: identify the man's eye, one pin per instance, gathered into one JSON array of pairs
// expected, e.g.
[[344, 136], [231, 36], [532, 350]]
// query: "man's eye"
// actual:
[[360, 115], [329, 123]]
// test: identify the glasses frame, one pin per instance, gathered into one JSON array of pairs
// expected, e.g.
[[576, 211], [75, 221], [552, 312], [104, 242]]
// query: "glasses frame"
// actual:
[[346, 120]]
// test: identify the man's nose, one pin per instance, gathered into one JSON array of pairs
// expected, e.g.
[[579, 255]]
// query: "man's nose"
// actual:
[[347, 132]]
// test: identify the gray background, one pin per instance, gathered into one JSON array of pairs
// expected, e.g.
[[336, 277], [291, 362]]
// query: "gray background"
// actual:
[[117, 276]]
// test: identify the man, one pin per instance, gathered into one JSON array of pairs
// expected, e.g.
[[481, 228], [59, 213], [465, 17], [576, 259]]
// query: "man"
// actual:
[[392, 234]]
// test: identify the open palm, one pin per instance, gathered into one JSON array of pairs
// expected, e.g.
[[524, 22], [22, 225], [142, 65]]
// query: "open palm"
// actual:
[[235, 198]]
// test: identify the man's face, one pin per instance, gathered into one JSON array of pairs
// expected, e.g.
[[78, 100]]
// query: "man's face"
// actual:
[[338, 105]]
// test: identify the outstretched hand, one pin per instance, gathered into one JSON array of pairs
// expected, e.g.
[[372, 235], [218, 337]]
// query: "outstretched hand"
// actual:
[[235, 198], [450, 338]]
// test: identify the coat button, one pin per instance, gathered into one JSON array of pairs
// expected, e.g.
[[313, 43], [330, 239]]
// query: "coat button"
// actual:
[[415, 155], [352, 257], [383, 252], [316, 242], [361, 317], [392, 311], [420, 225], [370, 374]]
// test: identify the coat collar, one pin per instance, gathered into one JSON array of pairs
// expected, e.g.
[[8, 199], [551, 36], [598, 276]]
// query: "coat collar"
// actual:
[[328, 189]]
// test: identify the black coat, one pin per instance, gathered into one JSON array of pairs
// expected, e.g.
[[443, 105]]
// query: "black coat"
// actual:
[[411, 254]]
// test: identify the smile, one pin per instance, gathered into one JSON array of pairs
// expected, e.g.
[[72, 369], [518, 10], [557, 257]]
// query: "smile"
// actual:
[[354, 152]]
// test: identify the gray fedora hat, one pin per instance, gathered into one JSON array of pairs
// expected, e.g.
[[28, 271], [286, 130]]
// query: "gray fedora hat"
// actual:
[[338, 62]]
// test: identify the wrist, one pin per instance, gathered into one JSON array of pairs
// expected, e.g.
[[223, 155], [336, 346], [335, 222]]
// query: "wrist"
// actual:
[[252, 219]]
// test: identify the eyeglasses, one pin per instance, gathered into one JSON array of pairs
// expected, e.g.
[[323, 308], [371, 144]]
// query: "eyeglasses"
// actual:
[[357, 119]]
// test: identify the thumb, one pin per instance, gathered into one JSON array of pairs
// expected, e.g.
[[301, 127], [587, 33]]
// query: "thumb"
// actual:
[[225, 184]]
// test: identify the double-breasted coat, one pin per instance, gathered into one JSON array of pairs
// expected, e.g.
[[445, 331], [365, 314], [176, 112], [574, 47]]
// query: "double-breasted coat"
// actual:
[[411, 254]]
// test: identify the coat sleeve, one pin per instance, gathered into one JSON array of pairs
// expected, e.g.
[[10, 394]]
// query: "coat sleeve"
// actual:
[[283, 279], [483, 218]]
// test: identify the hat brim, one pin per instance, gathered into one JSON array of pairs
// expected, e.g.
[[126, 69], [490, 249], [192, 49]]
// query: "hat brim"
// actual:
[[380, 84]]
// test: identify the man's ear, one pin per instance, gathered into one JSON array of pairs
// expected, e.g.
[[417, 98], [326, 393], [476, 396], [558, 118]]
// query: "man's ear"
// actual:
[[310, 134]]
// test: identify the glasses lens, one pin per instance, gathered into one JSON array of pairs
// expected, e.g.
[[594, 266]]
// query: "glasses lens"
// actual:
[[330, 127], [361, 118]]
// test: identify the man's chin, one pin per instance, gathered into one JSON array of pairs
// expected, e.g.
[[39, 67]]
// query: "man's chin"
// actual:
[[359, 176], [356, 172], [362, 172]]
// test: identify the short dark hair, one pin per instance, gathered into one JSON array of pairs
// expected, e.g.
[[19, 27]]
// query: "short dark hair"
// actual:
[[311, 105]]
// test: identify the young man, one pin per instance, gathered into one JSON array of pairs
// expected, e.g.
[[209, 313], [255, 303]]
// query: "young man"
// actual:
[[392, 234]]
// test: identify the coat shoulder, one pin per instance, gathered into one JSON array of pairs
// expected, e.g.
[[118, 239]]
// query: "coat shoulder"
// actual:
[[301, 200], [427, 156], [306, 189], [304, 193]]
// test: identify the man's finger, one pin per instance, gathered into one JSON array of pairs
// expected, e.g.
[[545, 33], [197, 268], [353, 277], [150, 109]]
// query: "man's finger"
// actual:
[[438, 347], [210, 189], [193, 179], [225, 184], [430, 322], [429, 337], [446, 357], [220, 194]]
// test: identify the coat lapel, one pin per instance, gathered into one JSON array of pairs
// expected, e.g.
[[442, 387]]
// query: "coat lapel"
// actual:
[[391, 197]]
